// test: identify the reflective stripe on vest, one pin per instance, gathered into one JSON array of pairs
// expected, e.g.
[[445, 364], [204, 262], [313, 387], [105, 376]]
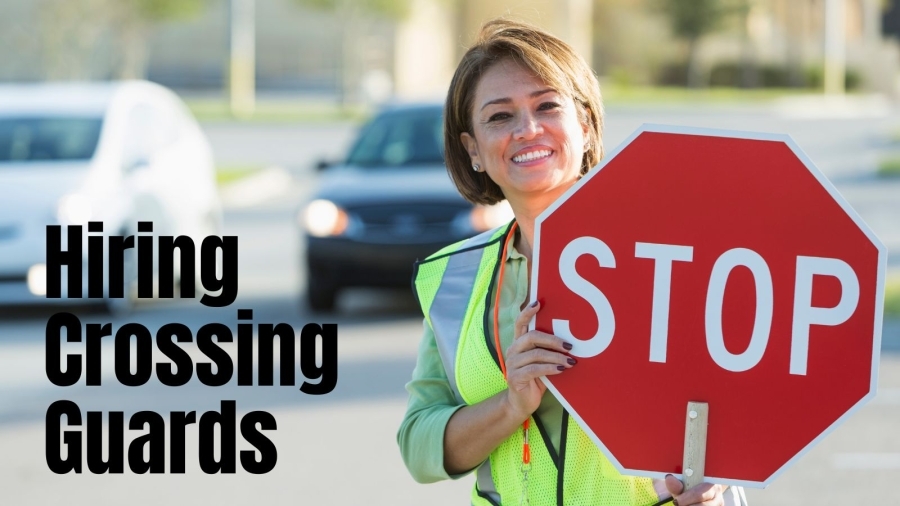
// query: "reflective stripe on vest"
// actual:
[[446, 312], [448, 309]]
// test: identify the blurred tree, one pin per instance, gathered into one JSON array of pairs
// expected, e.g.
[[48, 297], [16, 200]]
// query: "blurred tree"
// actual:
[[131, 22], [69, 32], [749, 67], [690, 20], [71, 29], [353, 14], [395, 9]]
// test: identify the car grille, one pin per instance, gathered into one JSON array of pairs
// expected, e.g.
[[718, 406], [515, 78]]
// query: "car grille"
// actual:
[[407, 223]]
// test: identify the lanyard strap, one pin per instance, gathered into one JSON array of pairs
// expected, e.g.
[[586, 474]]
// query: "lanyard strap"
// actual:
[[509, 236], [526, 448]]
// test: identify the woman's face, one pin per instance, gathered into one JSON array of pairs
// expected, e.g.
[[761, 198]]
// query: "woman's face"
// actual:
[[527, 135]]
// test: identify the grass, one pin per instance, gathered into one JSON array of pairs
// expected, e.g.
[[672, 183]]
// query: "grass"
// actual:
[[892, 296], [889, 167], [276, 111], [614, 94], [229, 174], [306, 110]]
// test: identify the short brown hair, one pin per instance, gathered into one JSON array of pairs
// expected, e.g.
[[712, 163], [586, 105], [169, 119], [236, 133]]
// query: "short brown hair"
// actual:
[[547, 57]]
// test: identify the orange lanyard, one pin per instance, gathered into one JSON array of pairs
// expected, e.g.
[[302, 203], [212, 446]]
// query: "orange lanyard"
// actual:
[[526, 449]]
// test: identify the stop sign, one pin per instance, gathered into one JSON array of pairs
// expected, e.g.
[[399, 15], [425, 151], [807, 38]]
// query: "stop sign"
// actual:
[[711, 266]]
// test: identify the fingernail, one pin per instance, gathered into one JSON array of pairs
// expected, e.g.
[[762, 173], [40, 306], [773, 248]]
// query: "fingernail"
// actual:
[[561, 367], [534, 304], [672, 475], [567, 346], [571, 361]]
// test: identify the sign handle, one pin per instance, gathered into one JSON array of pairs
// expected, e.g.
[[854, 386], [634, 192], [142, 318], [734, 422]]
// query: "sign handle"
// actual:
[[695, 426]]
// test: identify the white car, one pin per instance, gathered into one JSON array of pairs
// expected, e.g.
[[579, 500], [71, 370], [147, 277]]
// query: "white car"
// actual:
[[117, 153]]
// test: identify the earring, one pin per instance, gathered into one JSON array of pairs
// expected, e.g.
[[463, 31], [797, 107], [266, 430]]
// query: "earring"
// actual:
[[476, 167]]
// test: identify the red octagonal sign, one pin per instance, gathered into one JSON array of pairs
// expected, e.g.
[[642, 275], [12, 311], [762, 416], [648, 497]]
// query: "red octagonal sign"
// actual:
[[711, 266]]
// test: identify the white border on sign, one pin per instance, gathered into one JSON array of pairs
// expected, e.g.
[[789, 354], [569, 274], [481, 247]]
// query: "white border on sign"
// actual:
[[835, 194]]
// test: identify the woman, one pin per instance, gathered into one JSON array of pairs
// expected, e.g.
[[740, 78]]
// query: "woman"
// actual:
[[523, 122]]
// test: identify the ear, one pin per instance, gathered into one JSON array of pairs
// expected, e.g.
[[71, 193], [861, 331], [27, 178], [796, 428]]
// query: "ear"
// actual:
[[471, 146]]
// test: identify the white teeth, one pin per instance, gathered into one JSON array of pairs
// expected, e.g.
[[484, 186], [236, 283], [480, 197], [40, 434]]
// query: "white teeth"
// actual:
[[533, 155]]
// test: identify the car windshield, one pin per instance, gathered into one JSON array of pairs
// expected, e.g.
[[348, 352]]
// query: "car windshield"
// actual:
[[400, 138], [48, 138]]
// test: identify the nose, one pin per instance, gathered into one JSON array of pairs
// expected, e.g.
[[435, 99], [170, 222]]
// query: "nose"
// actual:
[[528, 127]]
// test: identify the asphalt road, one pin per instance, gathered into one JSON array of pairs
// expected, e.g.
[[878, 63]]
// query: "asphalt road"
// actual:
[[339, 448]]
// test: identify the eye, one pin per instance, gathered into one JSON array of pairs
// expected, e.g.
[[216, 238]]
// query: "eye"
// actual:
[[547, 106], [499, 116]]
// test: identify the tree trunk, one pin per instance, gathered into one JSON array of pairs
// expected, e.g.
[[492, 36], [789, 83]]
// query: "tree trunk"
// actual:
[[69, 33], [694, 73], [133, 52], [749, 69], [349, 64]]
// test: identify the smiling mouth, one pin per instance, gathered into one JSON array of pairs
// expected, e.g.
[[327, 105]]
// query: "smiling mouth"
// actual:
[[533, 155]]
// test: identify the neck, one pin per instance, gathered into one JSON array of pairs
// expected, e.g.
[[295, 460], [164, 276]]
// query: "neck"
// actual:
[[526, 212], [525, 241]]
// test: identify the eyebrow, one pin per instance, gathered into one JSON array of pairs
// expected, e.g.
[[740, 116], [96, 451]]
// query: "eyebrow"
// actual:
[[507, 100]]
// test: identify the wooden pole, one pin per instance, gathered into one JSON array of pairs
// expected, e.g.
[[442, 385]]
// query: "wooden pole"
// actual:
[[695, 443], [242, 70], [835, 46]]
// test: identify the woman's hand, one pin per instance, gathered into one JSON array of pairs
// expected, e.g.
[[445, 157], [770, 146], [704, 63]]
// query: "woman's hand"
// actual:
[[532, 354], [474, 431], [704, 494]]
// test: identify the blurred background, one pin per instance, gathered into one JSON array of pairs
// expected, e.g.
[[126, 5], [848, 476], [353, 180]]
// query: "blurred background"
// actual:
[[307, 129]]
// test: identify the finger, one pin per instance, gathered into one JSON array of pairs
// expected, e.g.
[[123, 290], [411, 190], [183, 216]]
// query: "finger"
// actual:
[[525, 375], [674, 485], [537, 339], [704, 493], [706, 497], [538, 356], [524, 319]]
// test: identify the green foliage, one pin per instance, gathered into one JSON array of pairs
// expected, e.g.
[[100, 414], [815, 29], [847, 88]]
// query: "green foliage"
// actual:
[[771, 75], [691, 19], [889, 167], [815, 77], [159, 10], [228, 174], [277, 111], [621, 76], [892, 297], [394, 9]]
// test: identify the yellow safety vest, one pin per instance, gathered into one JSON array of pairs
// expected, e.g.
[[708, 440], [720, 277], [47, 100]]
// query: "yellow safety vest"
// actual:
[[455, 289]]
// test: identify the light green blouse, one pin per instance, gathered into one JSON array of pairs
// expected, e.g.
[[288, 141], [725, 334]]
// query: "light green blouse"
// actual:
[[431, 402]]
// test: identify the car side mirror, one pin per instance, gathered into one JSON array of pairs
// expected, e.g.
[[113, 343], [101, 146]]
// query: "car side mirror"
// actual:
[[135, 164], [322, 164]]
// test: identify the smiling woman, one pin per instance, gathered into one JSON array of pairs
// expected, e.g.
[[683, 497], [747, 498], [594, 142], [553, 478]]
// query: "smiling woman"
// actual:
[[522, 123]]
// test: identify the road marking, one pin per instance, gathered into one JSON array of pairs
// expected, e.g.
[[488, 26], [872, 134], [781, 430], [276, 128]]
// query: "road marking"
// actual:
[[866, 461]]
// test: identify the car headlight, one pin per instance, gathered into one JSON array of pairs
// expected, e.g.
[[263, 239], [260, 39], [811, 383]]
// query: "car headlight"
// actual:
[[484, 218], [37, 279], [322, 218], [74, 209]]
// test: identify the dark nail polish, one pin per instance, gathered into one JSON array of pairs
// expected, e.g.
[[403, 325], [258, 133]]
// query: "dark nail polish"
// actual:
[[567, 346], [571, 361], [561, 367], [534, 304]]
